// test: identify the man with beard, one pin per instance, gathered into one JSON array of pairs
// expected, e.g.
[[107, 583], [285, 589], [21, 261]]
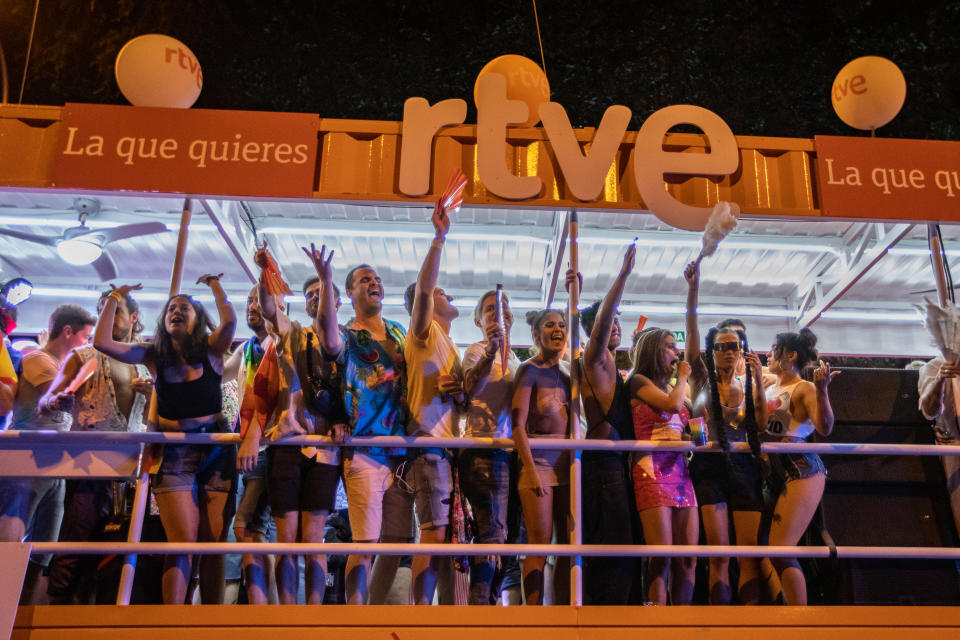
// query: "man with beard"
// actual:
[[306, 399], [607, 495], [368, 350], [252, 522], [113, 399], [435, 397]]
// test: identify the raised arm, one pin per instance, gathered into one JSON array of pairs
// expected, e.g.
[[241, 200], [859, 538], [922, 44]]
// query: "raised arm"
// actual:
[[759, 399], [603, 324], [231, 366], [644, 389], [691, 350], [325, 324], [222, 337], [103, 336], [476, 370], [268, 304], [422, 314], [691, 274], [822, 413]]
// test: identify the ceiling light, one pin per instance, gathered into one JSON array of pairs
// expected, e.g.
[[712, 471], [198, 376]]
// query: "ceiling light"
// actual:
[[15, 291], [79, 251]]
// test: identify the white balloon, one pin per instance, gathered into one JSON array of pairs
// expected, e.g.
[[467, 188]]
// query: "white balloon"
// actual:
[[868, 92], [155, 70]]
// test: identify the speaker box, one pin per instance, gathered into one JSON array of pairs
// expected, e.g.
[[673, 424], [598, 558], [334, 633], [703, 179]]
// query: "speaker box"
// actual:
[[876, 396], [891, 501]]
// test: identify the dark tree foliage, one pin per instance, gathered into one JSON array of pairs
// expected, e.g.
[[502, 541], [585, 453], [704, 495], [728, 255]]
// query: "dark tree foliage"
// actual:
[[765, 67]]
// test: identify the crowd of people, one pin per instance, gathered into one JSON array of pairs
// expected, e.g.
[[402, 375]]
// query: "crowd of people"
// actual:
[[373, 377]]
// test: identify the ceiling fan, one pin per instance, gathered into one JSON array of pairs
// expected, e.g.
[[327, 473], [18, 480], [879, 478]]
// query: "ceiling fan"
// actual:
[[82, 245]]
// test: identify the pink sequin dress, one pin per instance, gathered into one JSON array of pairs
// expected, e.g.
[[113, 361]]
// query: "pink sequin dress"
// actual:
[[661, 479]]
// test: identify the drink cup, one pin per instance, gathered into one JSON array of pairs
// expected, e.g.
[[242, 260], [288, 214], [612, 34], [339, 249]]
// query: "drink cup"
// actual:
[[698, 432]]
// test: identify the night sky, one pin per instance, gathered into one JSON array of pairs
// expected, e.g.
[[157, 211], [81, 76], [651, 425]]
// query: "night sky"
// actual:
[[766, 68]]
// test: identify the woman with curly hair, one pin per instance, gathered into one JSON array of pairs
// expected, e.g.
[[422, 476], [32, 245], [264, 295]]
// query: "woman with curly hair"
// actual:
[[196, 484], [728, 485], [797, 409], [664, 494], [540, 410]]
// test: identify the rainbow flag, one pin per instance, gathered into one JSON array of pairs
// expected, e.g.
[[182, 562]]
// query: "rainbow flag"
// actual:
[[7, 373]]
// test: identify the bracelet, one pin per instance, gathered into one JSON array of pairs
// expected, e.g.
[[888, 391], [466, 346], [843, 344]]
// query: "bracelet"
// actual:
[[438, 242], [116, 295]]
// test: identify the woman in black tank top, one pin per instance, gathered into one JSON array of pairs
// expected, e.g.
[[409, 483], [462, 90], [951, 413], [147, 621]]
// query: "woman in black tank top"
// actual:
[[185, 359]]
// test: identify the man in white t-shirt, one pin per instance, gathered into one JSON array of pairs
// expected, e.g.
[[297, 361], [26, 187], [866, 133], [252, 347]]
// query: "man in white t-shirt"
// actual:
[[434, 391], [485, 473]]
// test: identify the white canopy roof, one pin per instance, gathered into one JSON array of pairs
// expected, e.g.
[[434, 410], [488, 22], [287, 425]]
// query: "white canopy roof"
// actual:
[[775, 274]]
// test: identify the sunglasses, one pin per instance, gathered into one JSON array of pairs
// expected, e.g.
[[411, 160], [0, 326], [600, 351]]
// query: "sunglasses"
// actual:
[[720, 347]]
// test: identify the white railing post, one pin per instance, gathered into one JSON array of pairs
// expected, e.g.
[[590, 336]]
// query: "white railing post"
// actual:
[[138, 513], [576, 497]]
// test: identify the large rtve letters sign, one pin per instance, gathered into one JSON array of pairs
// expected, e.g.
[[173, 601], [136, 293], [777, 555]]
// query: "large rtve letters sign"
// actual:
[[251, 154]]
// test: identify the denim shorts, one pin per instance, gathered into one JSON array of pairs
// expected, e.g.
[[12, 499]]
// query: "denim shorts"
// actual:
[[186, 467], [38, 503], [430, 477], [485, 479], [797, 466]]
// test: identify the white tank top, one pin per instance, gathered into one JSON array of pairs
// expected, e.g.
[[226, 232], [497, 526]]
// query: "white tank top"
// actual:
[[781, 423]]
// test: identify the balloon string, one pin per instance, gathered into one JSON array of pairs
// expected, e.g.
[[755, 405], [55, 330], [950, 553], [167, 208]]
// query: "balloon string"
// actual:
[[536, 19], [26, 63]]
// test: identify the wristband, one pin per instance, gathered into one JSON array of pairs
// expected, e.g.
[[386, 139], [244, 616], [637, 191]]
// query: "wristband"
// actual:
[[116, 295], [438, 242]]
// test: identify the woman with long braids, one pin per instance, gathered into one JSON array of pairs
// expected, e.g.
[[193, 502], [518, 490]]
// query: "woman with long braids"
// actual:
[[664, 494], [540, 410], [728, 486], [196, 484], [797, 409]]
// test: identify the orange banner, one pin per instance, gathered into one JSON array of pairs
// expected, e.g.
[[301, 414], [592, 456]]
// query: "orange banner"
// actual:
[[195, 151], [888, 179]]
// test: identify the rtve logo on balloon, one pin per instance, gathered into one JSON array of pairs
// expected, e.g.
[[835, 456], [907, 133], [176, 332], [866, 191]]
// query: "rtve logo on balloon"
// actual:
[[155, 70]]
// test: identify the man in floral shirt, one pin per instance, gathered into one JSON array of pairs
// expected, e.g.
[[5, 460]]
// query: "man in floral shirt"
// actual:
[[369, 352]]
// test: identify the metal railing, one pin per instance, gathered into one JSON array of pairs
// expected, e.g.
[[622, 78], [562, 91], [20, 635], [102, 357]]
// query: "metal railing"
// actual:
[[576, 551]]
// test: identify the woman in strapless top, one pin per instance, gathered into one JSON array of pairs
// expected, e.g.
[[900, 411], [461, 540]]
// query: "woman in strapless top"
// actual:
[[665, 497]]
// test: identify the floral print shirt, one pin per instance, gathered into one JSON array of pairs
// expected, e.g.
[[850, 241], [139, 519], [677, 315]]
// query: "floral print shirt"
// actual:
[[374, 384]]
